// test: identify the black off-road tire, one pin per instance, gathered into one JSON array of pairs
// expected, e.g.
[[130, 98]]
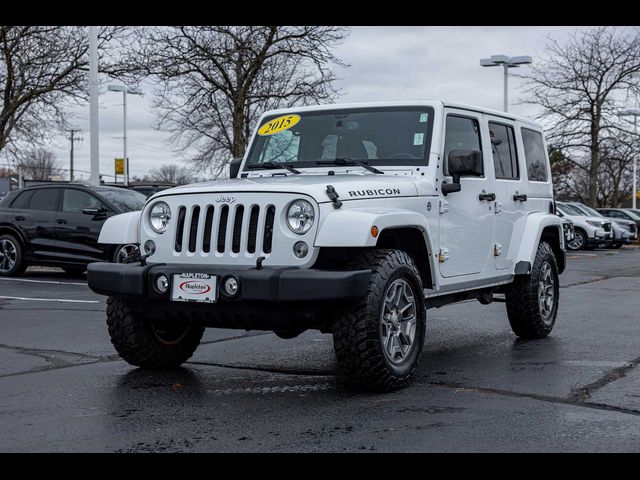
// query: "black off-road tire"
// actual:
[[135, 339], [20, 266], [522, 298], [357, 335]]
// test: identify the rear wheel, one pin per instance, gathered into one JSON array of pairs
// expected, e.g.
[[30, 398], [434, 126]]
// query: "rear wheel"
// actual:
[[532, 300], [152, 344], [379, 340], [11, 256]]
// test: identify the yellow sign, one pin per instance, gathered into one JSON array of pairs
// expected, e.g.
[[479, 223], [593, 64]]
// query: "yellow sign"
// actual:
[[119, 166], [278, 125]]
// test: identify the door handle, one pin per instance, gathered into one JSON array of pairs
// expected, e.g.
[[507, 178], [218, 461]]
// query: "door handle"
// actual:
[[520, 197], [61, 221], [20, 218], [487, 196]]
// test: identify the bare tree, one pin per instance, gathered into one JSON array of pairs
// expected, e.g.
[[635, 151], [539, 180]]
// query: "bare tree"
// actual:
[[577, 86], [171, 173], [215, 80], [38, 164], [41, 68]]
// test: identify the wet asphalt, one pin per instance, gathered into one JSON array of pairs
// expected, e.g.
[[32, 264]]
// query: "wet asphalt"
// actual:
[[63, 388]]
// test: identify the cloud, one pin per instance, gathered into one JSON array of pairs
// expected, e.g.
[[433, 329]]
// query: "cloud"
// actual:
[[387, 63]]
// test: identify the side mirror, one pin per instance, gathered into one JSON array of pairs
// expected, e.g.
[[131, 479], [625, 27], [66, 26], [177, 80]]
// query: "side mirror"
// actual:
[[234, 167], [462, 163]]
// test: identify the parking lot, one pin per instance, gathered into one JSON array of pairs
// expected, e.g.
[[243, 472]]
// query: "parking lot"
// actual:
[[63, 388]]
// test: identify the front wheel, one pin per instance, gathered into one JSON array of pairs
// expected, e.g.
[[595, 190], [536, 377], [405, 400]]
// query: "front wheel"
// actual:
[[152, 344], [532, 300], [579, 241], [379, 340], [129, 253], [616, 245]]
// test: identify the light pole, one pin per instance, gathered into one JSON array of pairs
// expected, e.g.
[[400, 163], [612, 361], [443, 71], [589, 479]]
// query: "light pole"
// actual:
[[635, 113], [93, 105], [125, 91], [507, 63]]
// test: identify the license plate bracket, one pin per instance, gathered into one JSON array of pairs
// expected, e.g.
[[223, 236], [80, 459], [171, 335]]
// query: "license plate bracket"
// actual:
[[194, 287]]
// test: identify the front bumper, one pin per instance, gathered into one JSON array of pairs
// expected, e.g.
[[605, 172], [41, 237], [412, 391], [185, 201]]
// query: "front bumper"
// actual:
[[135, 281]]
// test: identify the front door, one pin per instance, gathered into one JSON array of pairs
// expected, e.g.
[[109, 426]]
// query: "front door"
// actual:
[[511, 194], [466, 224], [76, 232]]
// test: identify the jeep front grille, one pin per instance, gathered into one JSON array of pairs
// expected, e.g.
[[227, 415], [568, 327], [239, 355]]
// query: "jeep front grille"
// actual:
[[232, 229]]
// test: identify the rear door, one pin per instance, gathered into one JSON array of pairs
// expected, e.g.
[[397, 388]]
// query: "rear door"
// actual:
[[76, 232], [39, 222], [509, 189]]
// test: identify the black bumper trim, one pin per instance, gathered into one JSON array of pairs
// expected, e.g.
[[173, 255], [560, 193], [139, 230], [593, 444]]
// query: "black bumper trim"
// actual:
[[267, 284]]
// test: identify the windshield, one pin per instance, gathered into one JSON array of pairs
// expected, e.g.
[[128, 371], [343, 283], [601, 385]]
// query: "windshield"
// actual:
[[123, 199], [375, 136], [570, 210], [588, 210]]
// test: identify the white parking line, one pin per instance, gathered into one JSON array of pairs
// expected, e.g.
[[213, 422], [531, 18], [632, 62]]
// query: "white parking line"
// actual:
[[42, 281], [49, 300]]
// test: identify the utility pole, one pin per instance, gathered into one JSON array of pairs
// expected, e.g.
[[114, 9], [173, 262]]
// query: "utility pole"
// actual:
[[635, 113], [72, 132], [125, 91], [507, 63], [93, 105]]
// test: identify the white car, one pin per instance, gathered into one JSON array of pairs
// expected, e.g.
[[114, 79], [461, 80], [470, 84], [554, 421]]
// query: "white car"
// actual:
[[350, 219], [590, 232], [624, 231]]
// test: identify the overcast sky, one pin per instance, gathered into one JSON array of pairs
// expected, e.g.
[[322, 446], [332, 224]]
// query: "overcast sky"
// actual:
[[386, 63]]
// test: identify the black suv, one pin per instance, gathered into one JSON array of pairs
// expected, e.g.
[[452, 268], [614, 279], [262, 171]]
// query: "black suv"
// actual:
[[59, 225]]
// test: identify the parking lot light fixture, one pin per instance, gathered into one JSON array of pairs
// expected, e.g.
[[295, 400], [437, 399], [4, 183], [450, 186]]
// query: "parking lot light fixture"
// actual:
[[635, 113], [506, 63], [125, 91]]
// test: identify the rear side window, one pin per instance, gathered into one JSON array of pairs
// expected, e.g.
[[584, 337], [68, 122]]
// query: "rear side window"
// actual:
[[462, 133], [503, 148], [534, 155], [45, 199], [22, 200]]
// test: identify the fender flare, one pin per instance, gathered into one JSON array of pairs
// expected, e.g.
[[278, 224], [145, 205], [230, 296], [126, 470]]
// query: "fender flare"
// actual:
[[121, 229], [534, 225], [12, 228], [352, 228]]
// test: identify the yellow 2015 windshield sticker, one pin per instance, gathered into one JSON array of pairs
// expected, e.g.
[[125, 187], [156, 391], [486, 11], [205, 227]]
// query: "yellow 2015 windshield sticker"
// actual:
[[279, 124]]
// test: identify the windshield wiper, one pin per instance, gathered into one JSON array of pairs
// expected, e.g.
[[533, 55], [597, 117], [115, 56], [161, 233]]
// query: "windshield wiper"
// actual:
[[273, 166], [343, 162]]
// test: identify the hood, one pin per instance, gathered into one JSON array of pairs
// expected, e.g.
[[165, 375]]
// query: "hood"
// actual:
[[348, 186]]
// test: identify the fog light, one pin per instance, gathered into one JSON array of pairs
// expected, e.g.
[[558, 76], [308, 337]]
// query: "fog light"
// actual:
[[300, 249], [149, 247], [231, 286], [162, 283]]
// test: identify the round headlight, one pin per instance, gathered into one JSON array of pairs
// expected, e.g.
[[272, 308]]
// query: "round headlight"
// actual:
[[300, 216], [159, 216]]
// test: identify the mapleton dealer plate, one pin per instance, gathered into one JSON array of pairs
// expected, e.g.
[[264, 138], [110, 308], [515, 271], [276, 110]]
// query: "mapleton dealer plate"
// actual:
[[194, 287]]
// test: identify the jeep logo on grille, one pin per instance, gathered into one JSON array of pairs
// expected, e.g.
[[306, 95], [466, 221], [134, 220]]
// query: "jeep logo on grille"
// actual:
[[224, 199]]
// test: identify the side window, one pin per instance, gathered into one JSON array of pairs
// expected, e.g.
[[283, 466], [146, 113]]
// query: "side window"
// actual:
[[45, 199], [534, 155], [613, 213], [281, 147], [503, 148], [22, 201], [76, 200], [462, 133]]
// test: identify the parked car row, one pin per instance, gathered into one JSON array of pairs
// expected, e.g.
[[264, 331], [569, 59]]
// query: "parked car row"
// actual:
[[59, 225], [607, 227]]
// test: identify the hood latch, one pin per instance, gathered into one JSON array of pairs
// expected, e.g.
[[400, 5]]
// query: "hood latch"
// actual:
[[333, 196]]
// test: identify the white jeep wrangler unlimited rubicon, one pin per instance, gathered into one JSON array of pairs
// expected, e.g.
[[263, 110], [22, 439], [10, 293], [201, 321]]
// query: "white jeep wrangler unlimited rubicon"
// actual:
[[351, 219]]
